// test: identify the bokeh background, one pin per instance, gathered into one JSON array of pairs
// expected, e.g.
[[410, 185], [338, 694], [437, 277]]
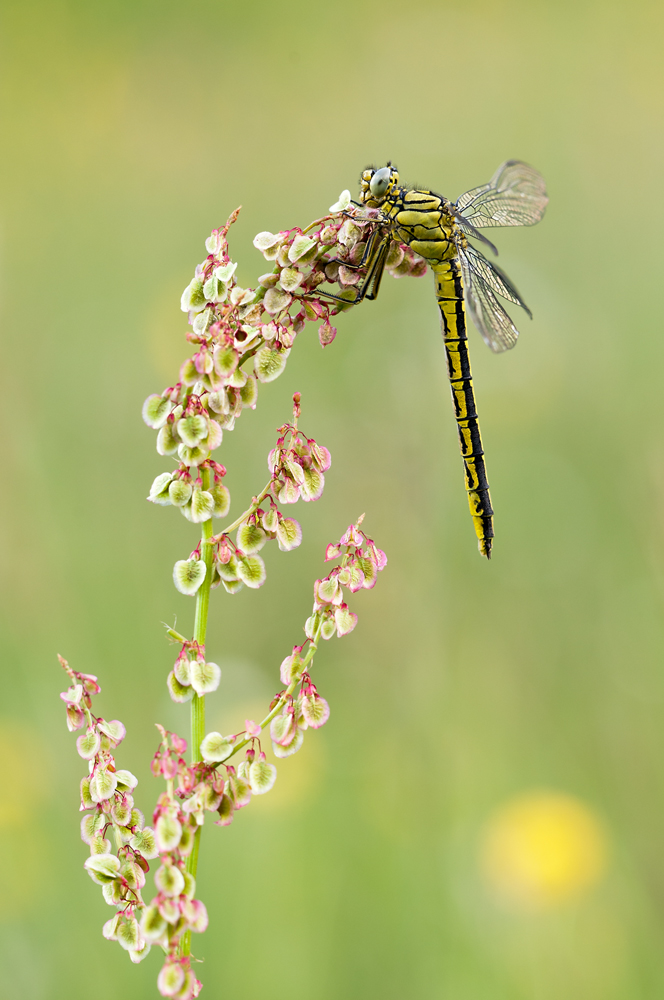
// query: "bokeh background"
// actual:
[[483, 816]]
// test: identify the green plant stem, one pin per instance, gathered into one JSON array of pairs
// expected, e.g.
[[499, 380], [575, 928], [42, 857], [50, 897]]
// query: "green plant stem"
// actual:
[[198, 701], [306, 662]]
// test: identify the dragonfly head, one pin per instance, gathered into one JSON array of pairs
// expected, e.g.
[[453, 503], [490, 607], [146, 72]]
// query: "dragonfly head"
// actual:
[[377, 185]]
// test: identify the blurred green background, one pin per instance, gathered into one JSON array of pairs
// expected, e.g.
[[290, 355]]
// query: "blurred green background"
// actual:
[[131, 129]]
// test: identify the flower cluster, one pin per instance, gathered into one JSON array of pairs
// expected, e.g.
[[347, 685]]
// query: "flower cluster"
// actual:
[[297, 466], [241, 338], [107, 800]]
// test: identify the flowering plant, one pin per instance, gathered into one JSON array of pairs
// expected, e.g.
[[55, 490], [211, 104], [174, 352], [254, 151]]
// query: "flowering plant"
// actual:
[[241, 337]]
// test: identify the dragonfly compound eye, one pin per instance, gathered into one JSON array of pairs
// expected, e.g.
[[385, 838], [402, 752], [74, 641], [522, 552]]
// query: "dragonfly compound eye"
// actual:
[[380, 182]]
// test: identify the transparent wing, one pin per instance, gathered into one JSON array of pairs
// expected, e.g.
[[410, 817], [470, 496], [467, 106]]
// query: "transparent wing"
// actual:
[[482, 281], [515, 196]]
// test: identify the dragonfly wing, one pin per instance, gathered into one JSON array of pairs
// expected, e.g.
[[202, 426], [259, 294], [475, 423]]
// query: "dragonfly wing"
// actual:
[[486, 271], [481, 282], [515, 196]]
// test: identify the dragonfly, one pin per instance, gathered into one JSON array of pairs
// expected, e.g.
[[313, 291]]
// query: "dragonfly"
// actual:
[[440, 231]]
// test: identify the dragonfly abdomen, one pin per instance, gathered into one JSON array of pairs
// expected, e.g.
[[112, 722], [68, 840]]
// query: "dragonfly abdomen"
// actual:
[[449, 293]]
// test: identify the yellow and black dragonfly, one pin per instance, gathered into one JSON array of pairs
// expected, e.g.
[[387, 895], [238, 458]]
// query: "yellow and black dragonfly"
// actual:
[[438, 230]]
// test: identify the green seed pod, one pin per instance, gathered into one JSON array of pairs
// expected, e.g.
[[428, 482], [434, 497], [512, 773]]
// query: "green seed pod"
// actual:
[[192, 429], [153, 924], [156, 410], [159, 491], [262, 776], [270, 519], [269, 364], [215, 748], [202, 505], [188, 575], [179, 693], [167, 440], [232, 587], [193, 456], [179, 492], [251, 571], [193, 298], [169, 880], [222, 499], [218, 402], [249, 392], [225, 360], [289, 534], [168, 832], [189, 372], [250, 538]]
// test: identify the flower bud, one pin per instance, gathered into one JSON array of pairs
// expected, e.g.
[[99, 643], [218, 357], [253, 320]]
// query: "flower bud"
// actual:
[[188, 575]]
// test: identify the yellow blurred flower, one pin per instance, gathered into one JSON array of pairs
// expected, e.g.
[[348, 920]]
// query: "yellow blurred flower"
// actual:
[[542, 849]]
